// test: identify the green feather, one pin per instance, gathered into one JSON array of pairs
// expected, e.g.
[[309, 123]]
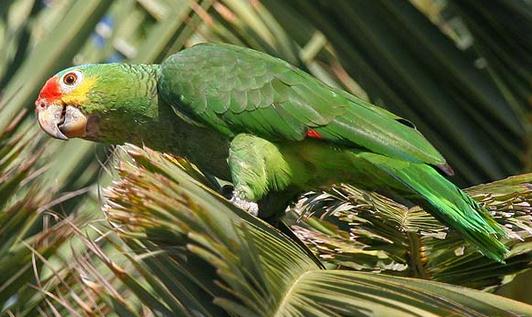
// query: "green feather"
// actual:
[[422, 184], [313, 164], [238, 90], [256, 110]]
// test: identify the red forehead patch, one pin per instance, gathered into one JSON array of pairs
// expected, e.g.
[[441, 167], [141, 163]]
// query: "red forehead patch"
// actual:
[[50, 90]]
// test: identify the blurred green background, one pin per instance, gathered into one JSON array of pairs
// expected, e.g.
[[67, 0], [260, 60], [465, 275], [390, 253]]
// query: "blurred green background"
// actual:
[[461, 70]]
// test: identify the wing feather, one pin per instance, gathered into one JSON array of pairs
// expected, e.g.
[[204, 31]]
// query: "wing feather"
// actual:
[[238, 90]]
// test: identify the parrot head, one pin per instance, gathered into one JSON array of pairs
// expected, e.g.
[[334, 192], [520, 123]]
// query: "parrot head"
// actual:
[[95, 101], [60, 105]]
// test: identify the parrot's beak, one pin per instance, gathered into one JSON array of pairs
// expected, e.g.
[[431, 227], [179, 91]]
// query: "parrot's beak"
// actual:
[[62, 122]]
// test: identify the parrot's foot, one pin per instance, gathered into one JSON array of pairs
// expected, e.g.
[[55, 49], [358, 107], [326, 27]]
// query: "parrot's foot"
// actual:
[[248, 206]]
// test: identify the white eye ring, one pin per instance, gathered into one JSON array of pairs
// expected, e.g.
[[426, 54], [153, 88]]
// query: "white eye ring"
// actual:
[[70, 80]]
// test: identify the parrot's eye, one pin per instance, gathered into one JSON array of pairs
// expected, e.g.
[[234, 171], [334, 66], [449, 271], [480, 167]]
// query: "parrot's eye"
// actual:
[[71, 80]]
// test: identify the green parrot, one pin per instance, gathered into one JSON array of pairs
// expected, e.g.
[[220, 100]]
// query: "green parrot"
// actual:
[[272, 129]]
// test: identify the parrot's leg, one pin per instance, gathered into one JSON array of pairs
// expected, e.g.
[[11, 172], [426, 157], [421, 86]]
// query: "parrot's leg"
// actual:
[[257, 166]]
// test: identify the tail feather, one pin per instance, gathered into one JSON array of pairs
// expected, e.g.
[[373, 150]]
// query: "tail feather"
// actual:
[[445, 201]]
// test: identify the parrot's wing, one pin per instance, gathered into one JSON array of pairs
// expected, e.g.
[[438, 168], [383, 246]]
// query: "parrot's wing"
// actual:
[[238, 90]]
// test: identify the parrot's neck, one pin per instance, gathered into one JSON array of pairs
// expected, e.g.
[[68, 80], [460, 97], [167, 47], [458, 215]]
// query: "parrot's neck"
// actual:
[[139, 116]]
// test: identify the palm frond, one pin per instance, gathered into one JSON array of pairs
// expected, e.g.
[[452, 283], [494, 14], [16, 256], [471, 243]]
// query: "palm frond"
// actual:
[[168, 215], [369, 232], [26, 228]]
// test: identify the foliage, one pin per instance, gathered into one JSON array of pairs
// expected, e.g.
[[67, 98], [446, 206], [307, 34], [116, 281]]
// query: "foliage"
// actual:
[[369, 232], [23, 212], [193, 249]]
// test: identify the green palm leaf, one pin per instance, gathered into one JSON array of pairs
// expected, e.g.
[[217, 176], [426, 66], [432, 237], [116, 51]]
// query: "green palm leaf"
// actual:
[[365, 231], [25, 226], [247, 267]]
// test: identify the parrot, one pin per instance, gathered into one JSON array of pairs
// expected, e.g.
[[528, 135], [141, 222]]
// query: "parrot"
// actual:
[[270, 128]]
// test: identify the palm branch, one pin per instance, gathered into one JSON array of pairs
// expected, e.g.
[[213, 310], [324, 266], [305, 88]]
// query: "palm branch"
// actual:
[[190, 252], [366, 231]]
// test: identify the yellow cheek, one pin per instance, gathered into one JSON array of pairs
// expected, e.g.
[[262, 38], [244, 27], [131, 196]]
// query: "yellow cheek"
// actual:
[[78, 95]]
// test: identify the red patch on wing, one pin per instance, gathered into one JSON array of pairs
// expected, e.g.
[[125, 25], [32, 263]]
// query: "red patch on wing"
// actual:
[[50, 91], [313, 134]]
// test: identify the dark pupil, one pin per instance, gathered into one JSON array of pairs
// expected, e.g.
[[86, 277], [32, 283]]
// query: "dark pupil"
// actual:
[[70, 79]]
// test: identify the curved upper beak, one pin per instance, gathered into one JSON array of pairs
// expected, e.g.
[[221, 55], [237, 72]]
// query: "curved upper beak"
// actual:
[[62, 122]]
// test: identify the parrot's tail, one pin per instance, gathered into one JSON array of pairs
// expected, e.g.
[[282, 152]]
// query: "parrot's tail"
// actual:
[[444, 201]]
